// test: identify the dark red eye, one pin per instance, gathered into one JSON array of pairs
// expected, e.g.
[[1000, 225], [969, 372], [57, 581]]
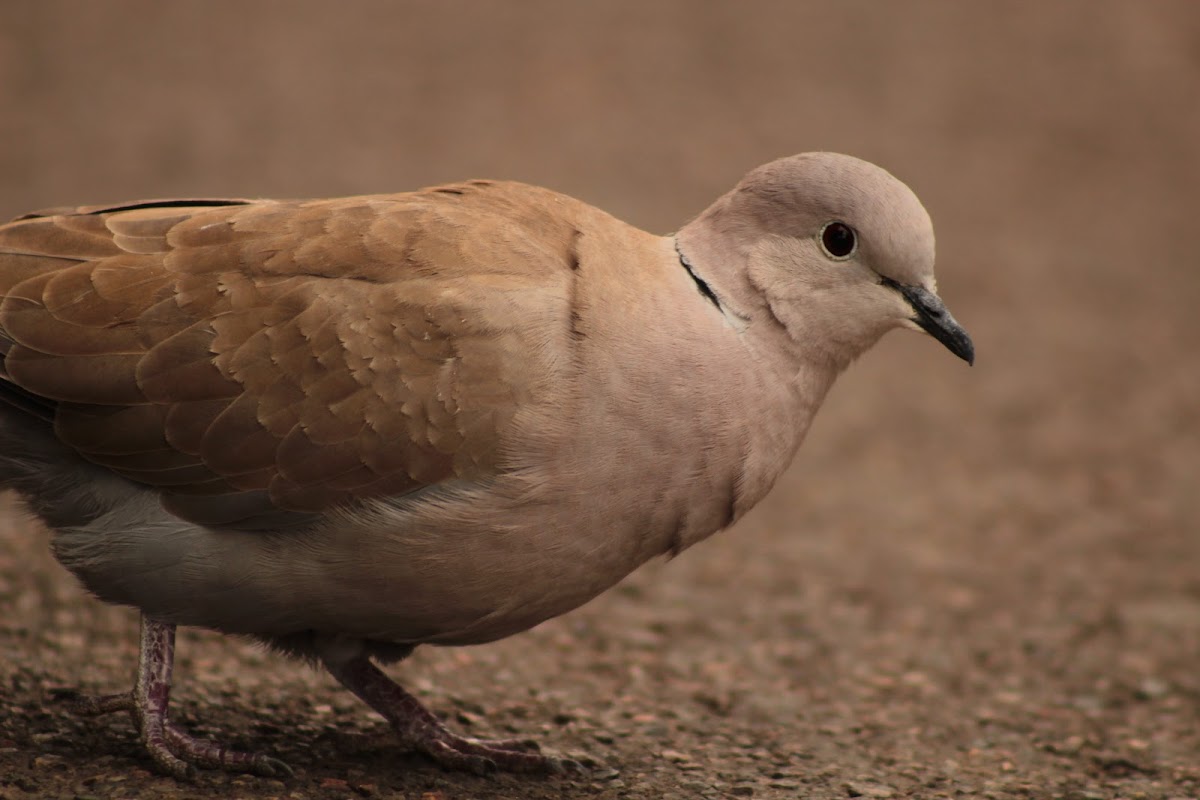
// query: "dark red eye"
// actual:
[[838, 239]]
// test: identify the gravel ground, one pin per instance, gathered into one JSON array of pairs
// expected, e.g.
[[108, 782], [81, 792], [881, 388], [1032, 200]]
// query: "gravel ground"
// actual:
[[973, 582]]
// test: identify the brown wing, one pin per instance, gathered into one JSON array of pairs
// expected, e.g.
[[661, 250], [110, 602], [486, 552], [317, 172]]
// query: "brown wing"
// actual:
[[250, 359]]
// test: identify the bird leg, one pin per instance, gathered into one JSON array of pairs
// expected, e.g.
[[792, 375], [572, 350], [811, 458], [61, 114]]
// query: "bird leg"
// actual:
[[173, 751], [420, 730]]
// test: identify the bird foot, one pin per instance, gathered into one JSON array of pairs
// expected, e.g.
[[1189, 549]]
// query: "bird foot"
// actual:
[[180, 753], [172, 750], [420, 730], [484, 756]]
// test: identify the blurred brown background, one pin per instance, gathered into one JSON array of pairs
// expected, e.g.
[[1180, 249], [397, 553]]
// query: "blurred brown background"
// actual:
[[979, 582]]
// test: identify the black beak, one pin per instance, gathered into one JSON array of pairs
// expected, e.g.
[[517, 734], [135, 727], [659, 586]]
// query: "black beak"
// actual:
[[931, 314]]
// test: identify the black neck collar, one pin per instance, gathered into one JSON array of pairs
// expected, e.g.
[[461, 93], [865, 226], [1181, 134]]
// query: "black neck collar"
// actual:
[[701, 284]]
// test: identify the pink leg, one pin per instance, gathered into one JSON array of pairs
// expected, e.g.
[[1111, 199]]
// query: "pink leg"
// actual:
[[422, 731], [173, 751]]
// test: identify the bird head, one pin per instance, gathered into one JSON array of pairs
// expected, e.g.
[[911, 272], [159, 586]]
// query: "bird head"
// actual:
[[831, 248]]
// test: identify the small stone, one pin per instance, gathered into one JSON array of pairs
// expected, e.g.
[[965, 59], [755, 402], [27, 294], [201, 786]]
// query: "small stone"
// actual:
[[676, 756], [1067, 747], [468, 718], [585, 758], [47, 761], [742, 790], [868, 789], [1152, 689]]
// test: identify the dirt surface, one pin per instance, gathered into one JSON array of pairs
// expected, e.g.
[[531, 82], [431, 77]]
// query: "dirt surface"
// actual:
[[972, 583]]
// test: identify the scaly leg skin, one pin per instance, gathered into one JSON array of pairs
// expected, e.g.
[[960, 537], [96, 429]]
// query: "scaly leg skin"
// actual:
[[420, 730], [173, 751]]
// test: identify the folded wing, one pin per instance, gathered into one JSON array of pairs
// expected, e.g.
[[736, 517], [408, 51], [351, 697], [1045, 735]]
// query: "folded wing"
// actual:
[[258, 360]]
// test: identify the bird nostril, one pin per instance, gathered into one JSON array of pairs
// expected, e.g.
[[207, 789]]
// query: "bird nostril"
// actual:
[[932, 304]]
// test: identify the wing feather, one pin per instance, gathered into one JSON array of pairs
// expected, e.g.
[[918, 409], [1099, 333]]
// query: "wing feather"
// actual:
[[259, 361]]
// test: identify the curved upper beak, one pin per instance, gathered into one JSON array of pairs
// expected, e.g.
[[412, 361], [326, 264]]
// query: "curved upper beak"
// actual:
[[931, 314]]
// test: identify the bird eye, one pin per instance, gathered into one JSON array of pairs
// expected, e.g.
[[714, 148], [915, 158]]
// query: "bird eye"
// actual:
[[838, 240]]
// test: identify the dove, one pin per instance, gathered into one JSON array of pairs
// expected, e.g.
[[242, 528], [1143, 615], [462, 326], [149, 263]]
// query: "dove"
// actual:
[[348, 427]]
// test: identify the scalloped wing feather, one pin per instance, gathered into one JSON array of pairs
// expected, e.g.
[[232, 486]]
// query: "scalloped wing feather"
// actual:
[[259, 360]]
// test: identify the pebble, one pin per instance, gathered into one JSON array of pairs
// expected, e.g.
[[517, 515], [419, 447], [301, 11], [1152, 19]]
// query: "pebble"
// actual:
[[784, 784], [868, 789], [1152, 689], [47, 761]]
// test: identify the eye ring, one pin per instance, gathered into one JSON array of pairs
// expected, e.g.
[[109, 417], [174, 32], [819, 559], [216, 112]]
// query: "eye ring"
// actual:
[[838, 240]]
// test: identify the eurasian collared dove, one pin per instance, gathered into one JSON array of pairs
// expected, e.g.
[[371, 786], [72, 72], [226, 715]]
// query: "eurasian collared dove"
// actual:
[[348, 427]]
